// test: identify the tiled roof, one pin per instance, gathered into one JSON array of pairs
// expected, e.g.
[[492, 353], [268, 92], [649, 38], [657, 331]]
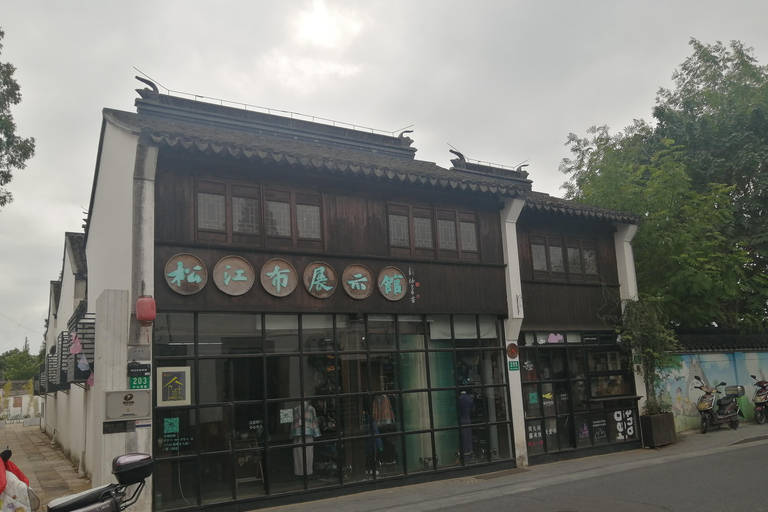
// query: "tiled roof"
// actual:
[[722, 341], [76, 246], [246, 136], [544, 203]]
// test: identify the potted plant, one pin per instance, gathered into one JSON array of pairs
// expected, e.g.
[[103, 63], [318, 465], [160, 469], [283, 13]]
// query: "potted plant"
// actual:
[[646, 335]]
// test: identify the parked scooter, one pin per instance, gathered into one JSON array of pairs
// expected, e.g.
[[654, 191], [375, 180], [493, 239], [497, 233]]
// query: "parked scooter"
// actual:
[[725, 410], [760, 400], [129, 469]]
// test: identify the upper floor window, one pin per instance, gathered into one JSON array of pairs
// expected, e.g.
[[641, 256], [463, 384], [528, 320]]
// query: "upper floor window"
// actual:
[[421, 231], [556, 257], [236, 213]]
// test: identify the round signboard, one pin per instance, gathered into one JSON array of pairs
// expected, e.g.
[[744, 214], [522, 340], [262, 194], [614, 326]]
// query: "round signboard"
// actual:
[[512, 350], [392, 284], [320, 279], [233, 275], [279, 277], [357, 281], [185, 274]]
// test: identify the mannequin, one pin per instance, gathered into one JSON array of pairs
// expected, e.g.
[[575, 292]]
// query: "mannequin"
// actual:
[[305, 435], [466, 406]]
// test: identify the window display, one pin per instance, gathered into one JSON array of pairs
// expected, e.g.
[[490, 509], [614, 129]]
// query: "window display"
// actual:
[[575, 389], [291, 402]]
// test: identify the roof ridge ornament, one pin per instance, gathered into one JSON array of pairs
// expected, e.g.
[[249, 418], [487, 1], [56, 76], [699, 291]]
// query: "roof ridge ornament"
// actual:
[[155, 91]]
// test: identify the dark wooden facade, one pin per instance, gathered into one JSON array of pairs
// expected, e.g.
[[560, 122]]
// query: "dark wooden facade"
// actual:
[[568, 301], [354, 226]]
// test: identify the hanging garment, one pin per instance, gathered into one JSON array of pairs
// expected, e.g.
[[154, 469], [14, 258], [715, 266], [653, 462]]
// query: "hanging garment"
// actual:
[[311, 425], [382, 411], [466, 406]]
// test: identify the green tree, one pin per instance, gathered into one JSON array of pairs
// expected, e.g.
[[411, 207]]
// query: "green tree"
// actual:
[[19, 365], [646, 335], [693, 250], [14, 150]]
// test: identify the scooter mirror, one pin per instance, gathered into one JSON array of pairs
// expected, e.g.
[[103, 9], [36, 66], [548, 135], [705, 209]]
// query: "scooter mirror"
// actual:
[[753, 377], [697, 378]]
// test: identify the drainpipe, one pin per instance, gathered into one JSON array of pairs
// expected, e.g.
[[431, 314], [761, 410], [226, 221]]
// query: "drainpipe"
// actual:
[[513, 323]]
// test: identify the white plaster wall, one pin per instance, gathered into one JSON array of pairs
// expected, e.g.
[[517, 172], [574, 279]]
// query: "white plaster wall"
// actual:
[[112, 320], [109, 249], [60, 422], [49, 414]]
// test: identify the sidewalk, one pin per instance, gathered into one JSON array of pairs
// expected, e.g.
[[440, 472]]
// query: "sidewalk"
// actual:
[[50, 474], [465, 490]]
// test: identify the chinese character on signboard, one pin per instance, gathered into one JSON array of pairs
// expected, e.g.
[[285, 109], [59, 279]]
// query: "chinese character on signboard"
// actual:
[[357, 281], [185, 274], [392, 283], [278, 277], [233, 275], [320, 279]]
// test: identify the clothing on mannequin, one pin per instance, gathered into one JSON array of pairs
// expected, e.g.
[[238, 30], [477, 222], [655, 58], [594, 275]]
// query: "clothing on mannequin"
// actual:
[[466, 406], [304, 434], [383, 414]]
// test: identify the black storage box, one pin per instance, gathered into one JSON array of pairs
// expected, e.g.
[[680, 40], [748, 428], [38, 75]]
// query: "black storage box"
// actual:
[[132, 468]]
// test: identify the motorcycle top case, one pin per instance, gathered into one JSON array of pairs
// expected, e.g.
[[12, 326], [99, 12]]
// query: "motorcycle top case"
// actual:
[[132, 468], [734, 390]]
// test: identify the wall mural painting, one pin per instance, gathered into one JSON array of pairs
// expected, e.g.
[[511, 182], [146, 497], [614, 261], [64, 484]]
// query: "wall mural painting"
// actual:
[[678, 385]]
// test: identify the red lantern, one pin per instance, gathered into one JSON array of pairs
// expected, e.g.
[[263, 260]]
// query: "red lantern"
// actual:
[[146, 312]]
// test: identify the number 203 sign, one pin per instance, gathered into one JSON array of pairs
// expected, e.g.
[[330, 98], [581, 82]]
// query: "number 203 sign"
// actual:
[[139, 383]]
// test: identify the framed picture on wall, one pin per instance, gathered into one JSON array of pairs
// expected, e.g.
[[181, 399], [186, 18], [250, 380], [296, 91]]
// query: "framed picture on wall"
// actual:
[[174, 386]]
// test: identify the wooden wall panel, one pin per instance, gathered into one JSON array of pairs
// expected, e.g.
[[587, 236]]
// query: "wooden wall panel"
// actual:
[[443, 288], [569, 306]]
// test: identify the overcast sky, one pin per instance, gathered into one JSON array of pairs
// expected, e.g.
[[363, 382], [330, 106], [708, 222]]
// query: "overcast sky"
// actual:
[[502, 81]]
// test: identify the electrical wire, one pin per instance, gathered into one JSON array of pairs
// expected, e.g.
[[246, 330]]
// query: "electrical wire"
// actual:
[[17, 323]]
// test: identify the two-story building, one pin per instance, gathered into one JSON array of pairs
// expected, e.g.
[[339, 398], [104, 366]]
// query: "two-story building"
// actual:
[[331, 311]]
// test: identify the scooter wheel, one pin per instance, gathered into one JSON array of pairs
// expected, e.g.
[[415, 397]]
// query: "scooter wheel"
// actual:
[[734, 424], [704, 424], [760, 416]]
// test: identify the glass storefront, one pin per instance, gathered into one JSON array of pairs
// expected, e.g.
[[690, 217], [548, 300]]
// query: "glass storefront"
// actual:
[[578, 392], [277, 404]]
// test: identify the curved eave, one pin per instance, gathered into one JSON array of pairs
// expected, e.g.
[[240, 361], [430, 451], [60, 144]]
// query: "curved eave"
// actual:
[[399, 172], [543, 203]]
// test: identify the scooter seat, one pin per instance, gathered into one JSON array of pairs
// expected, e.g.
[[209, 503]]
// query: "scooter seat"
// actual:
[[81, 499], [725, 401]]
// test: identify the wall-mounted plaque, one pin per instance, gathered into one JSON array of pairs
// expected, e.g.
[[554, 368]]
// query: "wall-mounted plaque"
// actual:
[[357, 281], [279, 277], [185, 274], [233, 275], [123, 405], [392, 284], [320, 279], [174, 386]]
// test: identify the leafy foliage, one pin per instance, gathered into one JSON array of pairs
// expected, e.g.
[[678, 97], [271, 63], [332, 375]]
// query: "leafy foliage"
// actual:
[[699, 182], [18, 364], [14, 150], [646, 335]]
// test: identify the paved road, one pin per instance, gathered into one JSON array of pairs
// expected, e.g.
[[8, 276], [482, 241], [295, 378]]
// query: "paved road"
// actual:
[[730, 480], [50, 473], [722, 470]]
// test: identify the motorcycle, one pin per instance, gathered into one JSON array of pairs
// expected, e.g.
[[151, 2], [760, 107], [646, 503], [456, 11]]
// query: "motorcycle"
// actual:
[[760, 400], [728, 410], [129, 469]]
